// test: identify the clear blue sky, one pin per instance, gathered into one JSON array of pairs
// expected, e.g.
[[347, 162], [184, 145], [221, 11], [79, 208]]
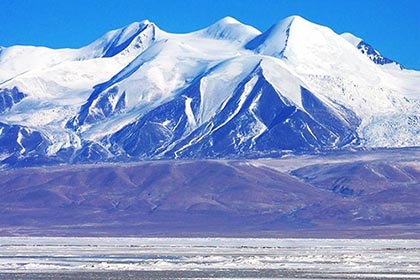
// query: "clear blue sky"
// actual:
[[391, 26]]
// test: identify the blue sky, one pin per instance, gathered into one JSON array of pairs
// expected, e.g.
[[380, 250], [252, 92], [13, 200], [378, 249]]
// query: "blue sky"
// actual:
[[391, 26]]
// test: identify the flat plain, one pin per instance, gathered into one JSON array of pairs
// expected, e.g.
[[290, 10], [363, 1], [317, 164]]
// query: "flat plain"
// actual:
[[207, 258]]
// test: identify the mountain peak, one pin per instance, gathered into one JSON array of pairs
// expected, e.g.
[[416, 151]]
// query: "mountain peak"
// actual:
[[115, 41], [295, 21], [300, 41], [228, 28], [145, 22], [274, 40], [293, 18], [228, 20]]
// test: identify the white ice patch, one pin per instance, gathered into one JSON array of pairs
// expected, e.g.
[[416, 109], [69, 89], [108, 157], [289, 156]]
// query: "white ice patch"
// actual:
[[189, 112], [19, 141], [259, 128], [353, 258]]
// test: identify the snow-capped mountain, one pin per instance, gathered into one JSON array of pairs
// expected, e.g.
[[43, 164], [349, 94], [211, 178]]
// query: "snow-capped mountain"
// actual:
[[228, 90]]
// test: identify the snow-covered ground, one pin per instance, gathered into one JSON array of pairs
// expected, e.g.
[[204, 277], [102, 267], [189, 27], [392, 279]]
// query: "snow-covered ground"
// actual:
[[341, 258]]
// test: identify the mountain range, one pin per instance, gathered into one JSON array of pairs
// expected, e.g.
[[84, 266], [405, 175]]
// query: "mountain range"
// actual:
[[292, 132], [226, 91]]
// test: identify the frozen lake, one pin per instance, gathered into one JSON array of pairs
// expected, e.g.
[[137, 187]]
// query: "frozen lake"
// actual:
[[204, 258]]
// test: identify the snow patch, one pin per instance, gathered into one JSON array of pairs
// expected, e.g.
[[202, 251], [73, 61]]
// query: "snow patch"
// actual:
[[351, 39]]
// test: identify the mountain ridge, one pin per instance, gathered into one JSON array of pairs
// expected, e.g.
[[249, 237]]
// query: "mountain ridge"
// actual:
[[141, 93]]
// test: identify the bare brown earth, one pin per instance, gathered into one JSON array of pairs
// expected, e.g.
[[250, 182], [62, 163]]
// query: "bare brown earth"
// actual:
[[358, 195]]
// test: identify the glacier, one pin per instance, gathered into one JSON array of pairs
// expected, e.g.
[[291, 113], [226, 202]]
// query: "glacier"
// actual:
[[225, 91]]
